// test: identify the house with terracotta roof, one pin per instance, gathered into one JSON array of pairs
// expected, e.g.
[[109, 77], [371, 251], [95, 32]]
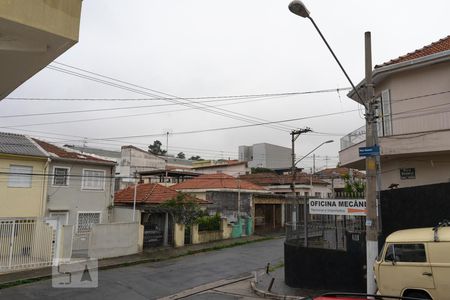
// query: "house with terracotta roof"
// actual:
[[146, 199], [229, 196], [80, 190], [413, 92]]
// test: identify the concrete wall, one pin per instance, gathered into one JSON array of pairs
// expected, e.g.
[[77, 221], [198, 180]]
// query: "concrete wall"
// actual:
[[22, 201], [117, 239], [226, 203], [73, 199], [135, 160], [429, 169], [232, 170], [199, 237], [125, 214], [270, 156], [60, 17]]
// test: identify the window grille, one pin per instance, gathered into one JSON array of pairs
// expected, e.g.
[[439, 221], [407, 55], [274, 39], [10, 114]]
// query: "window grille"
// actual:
[[86, 220], [60, 176]]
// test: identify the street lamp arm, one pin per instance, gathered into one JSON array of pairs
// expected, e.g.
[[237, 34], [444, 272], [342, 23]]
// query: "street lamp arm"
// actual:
[[337, 60], [326, 142]]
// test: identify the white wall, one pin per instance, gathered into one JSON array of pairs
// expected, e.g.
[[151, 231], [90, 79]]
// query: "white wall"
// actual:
[[112, 240]]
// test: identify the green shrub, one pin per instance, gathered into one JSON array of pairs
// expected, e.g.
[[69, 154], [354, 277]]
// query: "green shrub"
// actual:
[[209, 223]]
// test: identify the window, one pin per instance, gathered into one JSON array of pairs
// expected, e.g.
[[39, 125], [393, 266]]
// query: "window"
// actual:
[[20, 176], [60, 176], [383, 111], [318, 194], [406, 253], [86, 220], [93, 179]]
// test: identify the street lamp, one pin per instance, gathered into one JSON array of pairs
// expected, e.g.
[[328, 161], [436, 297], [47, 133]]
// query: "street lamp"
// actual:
[[326, 142], [294, 163], [372, 162]]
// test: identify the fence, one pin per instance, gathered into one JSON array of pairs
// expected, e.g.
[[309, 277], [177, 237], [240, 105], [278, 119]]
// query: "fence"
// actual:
[[26, 243], [319, 231]]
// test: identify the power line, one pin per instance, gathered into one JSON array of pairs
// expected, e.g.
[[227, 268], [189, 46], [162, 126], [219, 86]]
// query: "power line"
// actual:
[[173, 99], [214, 98]]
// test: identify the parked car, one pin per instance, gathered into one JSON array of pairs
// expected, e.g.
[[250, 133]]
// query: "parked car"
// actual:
[[416, 263]]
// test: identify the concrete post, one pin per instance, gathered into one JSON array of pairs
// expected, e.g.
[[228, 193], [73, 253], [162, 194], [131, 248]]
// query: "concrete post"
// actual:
[[178, 233]]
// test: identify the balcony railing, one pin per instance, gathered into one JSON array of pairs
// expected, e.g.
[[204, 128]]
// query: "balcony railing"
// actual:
[[353, 138]]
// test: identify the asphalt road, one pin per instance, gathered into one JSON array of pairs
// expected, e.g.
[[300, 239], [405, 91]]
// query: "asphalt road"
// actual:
[[156, 280]]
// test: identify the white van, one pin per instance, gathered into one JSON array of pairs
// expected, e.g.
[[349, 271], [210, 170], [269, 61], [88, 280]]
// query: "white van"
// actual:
[[415, 263]]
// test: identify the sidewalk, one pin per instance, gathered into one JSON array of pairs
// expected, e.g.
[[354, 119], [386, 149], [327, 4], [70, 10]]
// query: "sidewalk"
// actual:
[[279, 289], [149, 255]]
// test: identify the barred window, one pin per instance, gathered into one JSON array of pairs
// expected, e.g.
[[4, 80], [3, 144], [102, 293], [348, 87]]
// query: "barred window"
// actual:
[[20, 176], [86, 220], [93, 179], [60, 176]]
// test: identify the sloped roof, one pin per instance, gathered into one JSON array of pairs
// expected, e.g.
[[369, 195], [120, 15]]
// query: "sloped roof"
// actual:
[[217, 181], [19, 144], [149, 193], [275, 179], [434, 48], [59, 152]]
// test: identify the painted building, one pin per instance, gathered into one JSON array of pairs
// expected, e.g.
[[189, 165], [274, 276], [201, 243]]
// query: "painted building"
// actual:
[[33, 34], [266, 155], [413, 119], [23, 176], [230, 167], [80, 188]]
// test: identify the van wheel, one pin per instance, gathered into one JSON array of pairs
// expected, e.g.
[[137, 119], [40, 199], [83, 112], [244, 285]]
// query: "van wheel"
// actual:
[[418, 295]]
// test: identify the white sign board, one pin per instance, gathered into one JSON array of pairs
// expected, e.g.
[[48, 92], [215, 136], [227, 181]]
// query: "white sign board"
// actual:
[[343, 207]]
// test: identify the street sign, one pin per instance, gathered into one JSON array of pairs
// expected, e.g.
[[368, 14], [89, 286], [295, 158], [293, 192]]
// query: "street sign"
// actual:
[[338, 207], [408, 173], [369, 151]]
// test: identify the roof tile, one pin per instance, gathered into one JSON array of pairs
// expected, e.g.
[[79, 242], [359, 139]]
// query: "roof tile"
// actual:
[[434, 48], [149, 193], [217, 181]]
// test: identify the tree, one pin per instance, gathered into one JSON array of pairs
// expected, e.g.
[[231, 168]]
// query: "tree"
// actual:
[[181, 155], [183, 210], [196, 157], [156, 148]]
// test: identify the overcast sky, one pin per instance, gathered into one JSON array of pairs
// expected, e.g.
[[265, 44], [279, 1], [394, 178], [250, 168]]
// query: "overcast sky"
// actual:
[[205, 48]]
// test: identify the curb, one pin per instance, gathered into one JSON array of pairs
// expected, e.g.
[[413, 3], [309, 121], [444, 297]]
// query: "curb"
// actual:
[[270, 295]]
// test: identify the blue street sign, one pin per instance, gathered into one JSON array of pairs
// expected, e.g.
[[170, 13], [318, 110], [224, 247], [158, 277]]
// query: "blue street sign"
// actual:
[[369, 151]]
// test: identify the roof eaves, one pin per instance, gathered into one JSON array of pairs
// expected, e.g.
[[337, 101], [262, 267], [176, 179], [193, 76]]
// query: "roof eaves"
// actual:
[[380, 73]]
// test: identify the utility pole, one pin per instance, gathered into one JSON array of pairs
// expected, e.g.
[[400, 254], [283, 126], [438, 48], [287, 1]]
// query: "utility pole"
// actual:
[[371, 169], [294, 136]]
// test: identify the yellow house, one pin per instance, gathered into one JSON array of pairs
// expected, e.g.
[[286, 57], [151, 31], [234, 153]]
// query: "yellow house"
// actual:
[[23, 177]]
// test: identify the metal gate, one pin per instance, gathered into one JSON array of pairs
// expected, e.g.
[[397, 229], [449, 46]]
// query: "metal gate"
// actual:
[[26, 243]]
